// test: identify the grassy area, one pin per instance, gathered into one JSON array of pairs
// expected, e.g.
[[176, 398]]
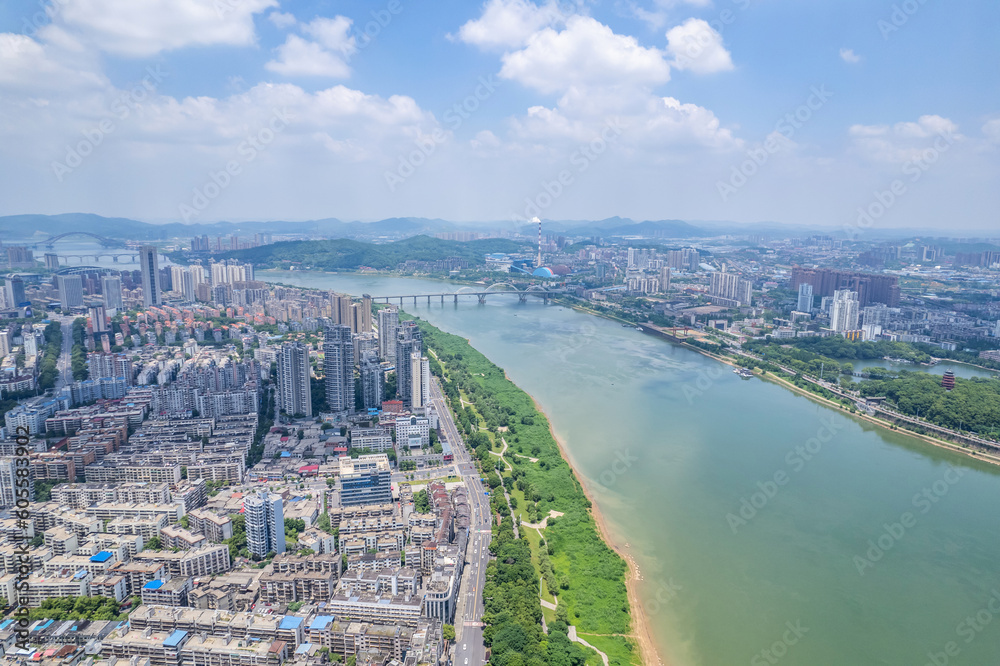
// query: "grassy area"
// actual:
[[621, 650], [591, 575]]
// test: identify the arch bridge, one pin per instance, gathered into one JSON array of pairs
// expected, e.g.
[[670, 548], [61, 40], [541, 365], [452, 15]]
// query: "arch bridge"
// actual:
[[104, 241]]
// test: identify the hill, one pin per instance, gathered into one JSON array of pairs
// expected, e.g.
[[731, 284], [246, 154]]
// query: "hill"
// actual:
[[347, 254]]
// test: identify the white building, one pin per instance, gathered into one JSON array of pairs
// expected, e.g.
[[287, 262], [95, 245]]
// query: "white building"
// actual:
[[844, 311]]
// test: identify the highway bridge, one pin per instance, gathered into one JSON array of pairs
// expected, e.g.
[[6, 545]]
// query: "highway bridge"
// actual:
[[499, 289], [105, 242]]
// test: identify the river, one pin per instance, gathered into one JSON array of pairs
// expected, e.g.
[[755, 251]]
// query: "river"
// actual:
[[671, 443]]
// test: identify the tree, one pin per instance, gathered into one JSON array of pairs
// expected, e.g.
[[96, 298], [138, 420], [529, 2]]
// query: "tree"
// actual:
[[154, 544], [448, 632]]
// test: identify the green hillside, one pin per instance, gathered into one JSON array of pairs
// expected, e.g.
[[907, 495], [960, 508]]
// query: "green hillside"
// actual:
[[345, 254]]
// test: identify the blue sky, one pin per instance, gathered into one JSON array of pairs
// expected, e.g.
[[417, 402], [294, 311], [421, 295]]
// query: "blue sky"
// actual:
[[678, 100]]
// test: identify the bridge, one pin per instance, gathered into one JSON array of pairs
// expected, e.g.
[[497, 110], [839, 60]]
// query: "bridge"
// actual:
[[133, 257], [499, 289], [106, 242]]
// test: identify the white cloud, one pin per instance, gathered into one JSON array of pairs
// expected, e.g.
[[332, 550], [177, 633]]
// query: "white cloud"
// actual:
[[697, 46], [659, 12], [586, 54], [849, 56], [992, 130], [327, 56], [29, 66], [143, 29], [903, 141], [298, 57], [509, 23], [282, 20], [333, 34]]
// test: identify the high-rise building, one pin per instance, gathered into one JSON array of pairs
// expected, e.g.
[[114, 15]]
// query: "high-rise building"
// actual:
[[294, 392], [420, 382], [805, 303], [729, 289], [111, 287], [364, 342], [265, 523], [8, 483], [98, 319], [4, 342], [875, 315], [844, 311], [186, 286], [20, 257], [52, 261], [15, 292], [388, 325], [871, 288], [366, 314], [372, 381], [338, 366], [149, 267], [365, 480], [409, 341], [665, 279], [70, 291]]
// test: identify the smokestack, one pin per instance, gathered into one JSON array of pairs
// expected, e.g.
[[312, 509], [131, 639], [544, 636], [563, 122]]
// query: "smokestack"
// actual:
[[539, 262]]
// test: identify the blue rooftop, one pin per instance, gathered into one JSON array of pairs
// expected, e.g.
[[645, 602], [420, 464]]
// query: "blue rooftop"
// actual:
[[290, 622], [321, 621], [174, 639], [82, 573], [286, 454], [153, 585], [102, 556]]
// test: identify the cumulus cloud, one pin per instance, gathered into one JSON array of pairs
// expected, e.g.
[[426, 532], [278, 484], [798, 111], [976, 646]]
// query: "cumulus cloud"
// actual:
[[282, 20], [698, 47], [508, 23], [586, 54], [903, 141], [657, 14], [849, 56], [143, 29], [326, 56]]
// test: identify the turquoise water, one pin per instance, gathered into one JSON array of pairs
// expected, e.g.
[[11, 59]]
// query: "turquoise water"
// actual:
[[671, 443]]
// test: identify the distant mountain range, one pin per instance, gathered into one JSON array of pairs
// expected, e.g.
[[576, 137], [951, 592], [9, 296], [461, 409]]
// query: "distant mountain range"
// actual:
[[21, 228]]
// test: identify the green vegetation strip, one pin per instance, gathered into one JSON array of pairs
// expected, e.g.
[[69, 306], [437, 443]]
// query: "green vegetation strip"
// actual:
[[589, 576]]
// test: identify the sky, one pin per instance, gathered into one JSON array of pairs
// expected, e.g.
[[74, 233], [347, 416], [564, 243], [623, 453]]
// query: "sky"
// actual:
[[848, 114]]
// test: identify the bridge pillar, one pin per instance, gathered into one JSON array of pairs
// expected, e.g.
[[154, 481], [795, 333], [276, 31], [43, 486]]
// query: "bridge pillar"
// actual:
[[428, 301], [442, 299], [414, 301], [522, 298], [114, 258], [456, 299], [482, 299], [400, 301]]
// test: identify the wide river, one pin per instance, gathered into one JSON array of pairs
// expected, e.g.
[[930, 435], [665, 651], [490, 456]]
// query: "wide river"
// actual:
[[767, 528]]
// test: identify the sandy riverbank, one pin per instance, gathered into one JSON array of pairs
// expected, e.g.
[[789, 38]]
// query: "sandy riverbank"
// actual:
[[640, 623]]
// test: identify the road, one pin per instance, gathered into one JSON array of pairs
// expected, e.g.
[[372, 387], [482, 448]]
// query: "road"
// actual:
[[469, 649], [64, 364]]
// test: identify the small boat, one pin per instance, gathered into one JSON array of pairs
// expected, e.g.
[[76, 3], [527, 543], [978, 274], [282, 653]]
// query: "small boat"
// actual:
[[626, 325], [743, 372], [638, 328]]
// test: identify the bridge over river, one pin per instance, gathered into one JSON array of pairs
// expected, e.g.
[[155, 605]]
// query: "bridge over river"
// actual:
[[500, 289]]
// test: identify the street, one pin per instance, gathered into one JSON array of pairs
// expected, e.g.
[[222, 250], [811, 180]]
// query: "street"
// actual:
[[469, 648]]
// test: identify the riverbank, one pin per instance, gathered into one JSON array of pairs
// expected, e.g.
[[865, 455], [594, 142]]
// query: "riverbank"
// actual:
[[881, 423], [596, 583], [934, 441], [640, 622]]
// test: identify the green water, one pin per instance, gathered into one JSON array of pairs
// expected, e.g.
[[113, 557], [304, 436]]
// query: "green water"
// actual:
[[670, 442]]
